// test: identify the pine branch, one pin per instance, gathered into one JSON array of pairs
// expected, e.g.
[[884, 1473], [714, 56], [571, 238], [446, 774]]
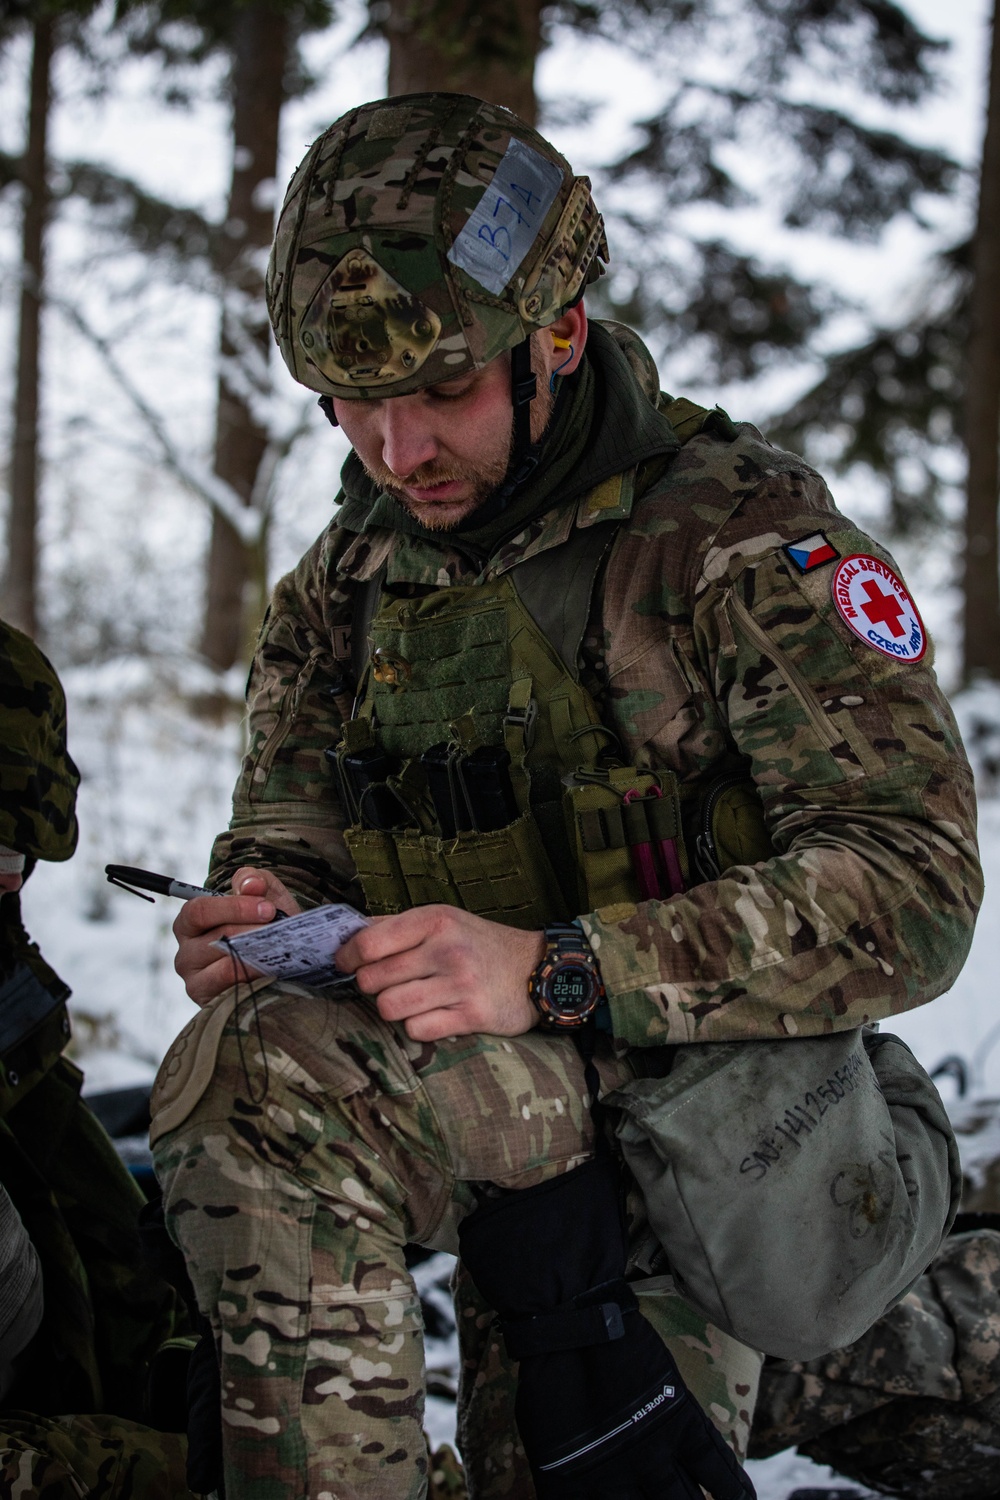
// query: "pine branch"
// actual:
[[182, 236], [195, 477], [893, 402]]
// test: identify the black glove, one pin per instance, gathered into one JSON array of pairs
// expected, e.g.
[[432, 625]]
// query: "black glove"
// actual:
[[601, 1408]]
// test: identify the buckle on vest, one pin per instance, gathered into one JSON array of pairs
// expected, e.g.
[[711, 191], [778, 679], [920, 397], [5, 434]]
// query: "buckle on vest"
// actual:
[[525, 719]]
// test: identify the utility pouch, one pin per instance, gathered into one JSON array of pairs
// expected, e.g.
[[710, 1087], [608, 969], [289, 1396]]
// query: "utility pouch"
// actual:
[[824, 1165], [504, 875], [374, 853], [625, 827], [731, 827]]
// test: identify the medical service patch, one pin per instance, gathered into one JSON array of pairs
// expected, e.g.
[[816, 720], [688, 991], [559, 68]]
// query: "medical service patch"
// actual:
[[874, 602], [811, 551]]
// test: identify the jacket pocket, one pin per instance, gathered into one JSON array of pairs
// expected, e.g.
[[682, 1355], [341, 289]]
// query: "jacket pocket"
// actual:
[[814, 748]]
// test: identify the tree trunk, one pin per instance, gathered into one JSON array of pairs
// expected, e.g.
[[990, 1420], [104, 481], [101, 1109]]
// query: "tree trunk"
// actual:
[[20, 595], [260, 55], [982, 407], [482, 47]]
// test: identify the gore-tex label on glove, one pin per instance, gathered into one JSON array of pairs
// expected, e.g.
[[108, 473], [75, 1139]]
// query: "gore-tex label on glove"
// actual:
[[300, 948]]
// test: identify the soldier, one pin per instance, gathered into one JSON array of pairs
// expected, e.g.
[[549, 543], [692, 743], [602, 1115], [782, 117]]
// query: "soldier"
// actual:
[[564, 639], [81, 1317]]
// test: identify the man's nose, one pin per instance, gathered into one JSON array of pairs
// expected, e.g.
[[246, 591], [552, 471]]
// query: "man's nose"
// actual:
[[11, 882], [407, 440]]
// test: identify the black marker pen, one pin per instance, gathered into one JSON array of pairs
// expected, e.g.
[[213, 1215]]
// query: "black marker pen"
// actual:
[[138, 881]]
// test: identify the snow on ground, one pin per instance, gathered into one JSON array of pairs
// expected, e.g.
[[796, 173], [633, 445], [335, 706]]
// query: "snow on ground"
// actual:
[[156, 783]]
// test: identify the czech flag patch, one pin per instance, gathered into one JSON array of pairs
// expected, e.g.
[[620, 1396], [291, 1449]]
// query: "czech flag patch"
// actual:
[[811, 551], [874, 602]]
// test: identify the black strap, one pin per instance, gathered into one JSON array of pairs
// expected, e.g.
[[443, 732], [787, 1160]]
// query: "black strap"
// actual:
[[585, 1038], [567, 1328], [556, 587], [366, 599], [523, 389]]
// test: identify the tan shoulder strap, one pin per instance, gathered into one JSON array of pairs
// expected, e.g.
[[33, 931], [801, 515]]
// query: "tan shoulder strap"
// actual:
[[687, 418]]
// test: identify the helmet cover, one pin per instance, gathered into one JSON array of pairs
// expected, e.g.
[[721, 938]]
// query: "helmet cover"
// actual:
[[38, 780], [420, 237]]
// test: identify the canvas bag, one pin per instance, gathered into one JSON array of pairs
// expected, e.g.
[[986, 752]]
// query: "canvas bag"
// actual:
[[798, 1187]]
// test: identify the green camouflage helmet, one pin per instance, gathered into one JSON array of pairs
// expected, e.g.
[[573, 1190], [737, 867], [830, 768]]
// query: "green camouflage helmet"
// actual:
[[38, 781], [420, 237]]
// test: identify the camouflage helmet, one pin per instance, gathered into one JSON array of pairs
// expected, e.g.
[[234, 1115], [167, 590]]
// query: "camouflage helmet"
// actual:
[[420, 237], [38, 781]]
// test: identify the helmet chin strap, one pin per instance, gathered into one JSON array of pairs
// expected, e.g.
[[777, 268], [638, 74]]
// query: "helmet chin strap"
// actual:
[[524, 454], [523, 390]]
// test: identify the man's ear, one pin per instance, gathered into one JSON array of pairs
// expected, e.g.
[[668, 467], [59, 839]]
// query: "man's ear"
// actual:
[[561, 344]]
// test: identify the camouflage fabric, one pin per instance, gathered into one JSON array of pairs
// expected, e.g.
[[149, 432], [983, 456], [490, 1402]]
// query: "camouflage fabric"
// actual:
[[706, 648], [293, 1174], [913, 1408], [104, 1316], [421, 237], [88, 1458], [38, 781], [446, 1480]]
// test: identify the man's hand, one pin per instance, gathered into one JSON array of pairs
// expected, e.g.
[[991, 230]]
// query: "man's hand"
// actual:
[[205, 971], [444, 972]]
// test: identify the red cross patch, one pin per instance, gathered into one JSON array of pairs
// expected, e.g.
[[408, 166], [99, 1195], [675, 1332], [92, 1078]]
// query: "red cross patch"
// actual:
[[873, 601]]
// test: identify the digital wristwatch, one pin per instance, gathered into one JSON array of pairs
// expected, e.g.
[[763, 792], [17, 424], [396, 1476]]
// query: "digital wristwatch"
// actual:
[[566, 987]]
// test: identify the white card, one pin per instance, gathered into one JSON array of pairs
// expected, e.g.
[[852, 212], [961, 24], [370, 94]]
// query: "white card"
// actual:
[[301, 947]]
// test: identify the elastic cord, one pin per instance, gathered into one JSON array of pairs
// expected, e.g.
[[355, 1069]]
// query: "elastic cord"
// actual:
[[559, 370], [523, 389]]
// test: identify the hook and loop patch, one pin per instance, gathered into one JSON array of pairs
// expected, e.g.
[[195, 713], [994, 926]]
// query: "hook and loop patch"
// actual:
[[873, 601]]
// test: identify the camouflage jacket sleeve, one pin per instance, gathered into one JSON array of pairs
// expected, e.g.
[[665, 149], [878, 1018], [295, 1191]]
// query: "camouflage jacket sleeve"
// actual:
[[868, 906], [286, 816]]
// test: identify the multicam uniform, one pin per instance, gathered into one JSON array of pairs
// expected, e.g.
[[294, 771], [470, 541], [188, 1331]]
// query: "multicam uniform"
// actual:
[[709, 644]]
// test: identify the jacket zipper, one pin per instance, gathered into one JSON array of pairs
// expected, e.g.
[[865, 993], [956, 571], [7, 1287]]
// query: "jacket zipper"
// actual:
[[287, 714], [803, 692]]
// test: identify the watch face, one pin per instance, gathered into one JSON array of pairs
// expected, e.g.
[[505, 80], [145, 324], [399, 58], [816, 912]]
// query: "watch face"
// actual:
[[570, 989]]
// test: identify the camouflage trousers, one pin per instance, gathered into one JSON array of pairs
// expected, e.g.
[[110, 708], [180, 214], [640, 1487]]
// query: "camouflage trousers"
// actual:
[[88, 1458], [913, 1407], [300, 1148]]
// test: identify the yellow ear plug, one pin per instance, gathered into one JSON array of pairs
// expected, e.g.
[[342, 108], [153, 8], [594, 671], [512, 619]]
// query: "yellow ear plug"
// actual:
[[560, 344]]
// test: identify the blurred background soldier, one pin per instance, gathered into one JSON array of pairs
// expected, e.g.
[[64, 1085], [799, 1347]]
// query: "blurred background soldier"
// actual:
[[80, 1316]]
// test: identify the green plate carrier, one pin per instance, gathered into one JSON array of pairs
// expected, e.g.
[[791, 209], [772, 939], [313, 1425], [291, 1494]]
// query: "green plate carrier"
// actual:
[[494, 665]]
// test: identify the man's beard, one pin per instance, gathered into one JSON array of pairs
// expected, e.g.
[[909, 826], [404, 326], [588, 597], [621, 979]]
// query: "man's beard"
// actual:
[[486, 476]]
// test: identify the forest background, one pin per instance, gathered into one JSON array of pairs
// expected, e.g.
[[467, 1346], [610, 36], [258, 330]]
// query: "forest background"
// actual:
[[803, 204], [792, 190]]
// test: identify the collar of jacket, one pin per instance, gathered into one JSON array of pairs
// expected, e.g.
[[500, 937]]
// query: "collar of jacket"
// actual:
[[623, 430]]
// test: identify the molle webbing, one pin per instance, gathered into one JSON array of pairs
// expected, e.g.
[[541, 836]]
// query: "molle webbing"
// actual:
[[468, 671], [627, 824]]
